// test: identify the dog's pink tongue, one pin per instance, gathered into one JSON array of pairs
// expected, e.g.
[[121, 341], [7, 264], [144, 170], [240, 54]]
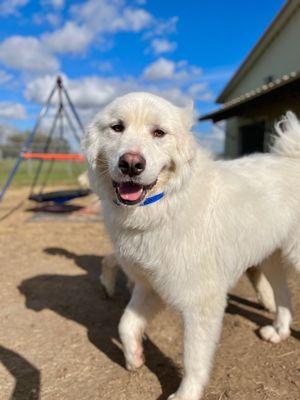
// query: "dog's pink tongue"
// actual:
[[130, 191]]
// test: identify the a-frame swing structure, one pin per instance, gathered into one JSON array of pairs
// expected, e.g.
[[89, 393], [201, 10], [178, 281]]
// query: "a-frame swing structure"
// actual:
[[61, 114]]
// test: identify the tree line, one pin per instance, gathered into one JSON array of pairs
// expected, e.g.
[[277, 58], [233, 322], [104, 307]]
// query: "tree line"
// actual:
[[13, 144]]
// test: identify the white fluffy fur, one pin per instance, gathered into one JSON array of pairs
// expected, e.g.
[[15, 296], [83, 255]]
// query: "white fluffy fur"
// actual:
[[216, 220]]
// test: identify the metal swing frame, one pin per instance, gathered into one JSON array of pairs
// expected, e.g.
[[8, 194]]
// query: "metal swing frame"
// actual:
[[26, 154]]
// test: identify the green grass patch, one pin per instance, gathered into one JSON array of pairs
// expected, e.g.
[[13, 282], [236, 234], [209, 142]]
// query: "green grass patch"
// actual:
[[65, 173]]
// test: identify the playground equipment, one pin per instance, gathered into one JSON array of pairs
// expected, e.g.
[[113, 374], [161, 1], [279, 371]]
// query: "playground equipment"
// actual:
[[58, 197]]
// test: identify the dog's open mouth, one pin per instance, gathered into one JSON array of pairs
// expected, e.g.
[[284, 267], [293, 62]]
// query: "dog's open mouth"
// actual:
[[131, 193]]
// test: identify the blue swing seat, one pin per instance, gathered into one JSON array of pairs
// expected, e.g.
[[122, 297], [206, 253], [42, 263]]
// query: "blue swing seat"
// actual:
[[59, 197]]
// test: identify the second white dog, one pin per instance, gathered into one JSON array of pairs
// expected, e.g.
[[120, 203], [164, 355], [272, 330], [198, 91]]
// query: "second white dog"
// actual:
[[185, 227]]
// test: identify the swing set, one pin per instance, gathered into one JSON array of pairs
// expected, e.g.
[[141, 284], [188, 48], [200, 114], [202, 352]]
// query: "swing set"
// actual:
[[40, 196]]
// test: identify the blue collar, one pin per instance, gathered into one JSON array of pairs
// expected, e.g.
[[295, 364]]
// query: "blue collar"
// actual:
[[148, 200], [152, 199]]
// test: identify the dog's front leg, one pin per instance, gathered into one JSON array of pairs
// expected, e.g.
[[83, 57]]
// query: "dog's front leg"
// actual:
[[142, 307], [108, 274], [202, 328]]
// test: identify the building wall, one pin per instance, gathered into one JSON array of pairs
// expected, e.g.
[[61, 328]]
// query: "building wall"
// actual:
[[232, 134], [270, 115], [231, 138], [280, 57]]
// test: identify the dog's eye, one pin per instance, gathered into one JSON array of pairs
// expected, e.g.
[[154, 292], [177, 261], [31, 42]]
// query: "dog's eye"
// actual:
[[119, 127], [158, 133]]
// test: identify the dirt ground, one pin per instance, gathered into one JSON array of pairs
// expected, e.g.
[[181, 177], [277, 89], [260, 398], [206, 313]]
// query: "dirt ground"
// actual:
[[58, 331]]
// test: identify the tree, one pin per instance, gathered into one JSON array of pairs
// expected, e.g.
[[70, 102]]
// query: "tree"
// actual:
[[14, 142]]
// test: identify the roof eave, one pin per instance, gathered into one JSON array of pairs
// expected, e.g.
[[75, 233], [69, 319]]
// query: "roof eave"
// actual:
[[229, 108]]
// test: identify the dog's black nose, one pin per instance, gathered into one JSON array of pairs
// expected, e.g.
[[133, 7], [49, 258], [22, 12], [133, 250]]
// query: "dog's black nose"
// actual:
[[131, 164]]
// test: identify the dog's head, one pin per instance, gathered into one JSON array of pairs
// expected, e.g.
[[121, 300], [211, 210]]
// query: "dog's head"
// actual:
[[140, 144]]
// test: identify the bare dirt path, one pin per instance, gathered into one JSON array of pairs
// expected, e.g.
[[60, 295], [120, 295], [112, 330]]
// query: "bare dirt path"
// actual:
[[58, 332]]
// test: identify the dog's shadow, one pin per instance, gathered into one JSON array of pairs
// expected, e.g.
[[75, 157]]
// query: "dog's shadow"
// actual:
[[80, 298], [244, 308]]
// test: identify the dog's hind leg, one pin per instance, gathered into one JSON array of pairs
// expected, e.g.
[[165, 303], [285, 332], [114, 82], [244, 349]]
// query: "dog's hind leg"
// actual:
[[275, 270], [262, 287], [144, 304]]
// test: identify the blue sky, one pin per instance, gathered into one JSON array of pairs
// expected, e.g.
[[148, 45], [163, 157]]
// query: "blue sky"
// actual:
[[181, 50]]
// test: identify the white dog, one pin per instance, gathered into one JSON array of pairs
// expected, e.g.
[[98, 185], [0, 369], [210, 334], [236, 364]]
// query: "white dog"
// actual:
[[185, 227], [109, 270]]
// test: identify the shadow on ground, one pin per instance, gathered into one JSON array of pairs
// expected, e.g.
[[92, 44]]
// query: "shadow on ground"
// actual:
[[80, 298], [27, 377], [252, 311]]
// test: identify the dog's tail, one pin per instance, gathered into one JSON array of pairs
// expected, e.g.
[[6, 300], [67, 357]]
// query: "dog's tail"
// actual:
[[287, 141]]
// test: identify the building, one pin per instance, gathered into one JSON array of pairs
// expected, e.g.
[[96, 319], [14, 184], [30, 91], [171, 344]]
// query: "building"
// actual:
[[265, 86]]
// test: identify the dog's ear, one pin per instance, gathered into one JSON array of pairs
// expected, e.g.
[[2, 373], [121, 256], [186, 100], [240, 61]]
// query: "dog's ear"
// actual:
[[90, 143], [188, 115]]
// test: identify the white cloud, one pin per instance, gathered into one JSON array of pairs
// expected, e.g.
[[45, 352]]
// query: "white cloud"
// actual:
[[6, 131], [176, 81], [27, 53], [182, 83], [199, 91], [132, 20], [71, 38], [53, 19], [10, 7], [5, 77], [104, 16], [215, 139], [162, 28], [57, 4], [91, 20], [98, 15], [197, 88], [9, 110], [160, 46], [159, 70], [86, 93], [179, 82], [38, 89], [176, 95], [91, 93], [163, 68]]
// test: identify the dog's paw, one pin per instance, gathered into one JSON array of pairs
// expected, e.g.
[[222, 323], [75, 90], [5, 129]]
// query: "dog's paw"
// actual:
[[174, 397], [135, 360], [273, 335], [133, 366]]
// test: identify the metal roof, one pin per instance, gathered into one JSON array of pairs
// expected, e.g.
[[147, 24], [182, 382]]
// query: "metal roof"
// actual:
[[232, 107]]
